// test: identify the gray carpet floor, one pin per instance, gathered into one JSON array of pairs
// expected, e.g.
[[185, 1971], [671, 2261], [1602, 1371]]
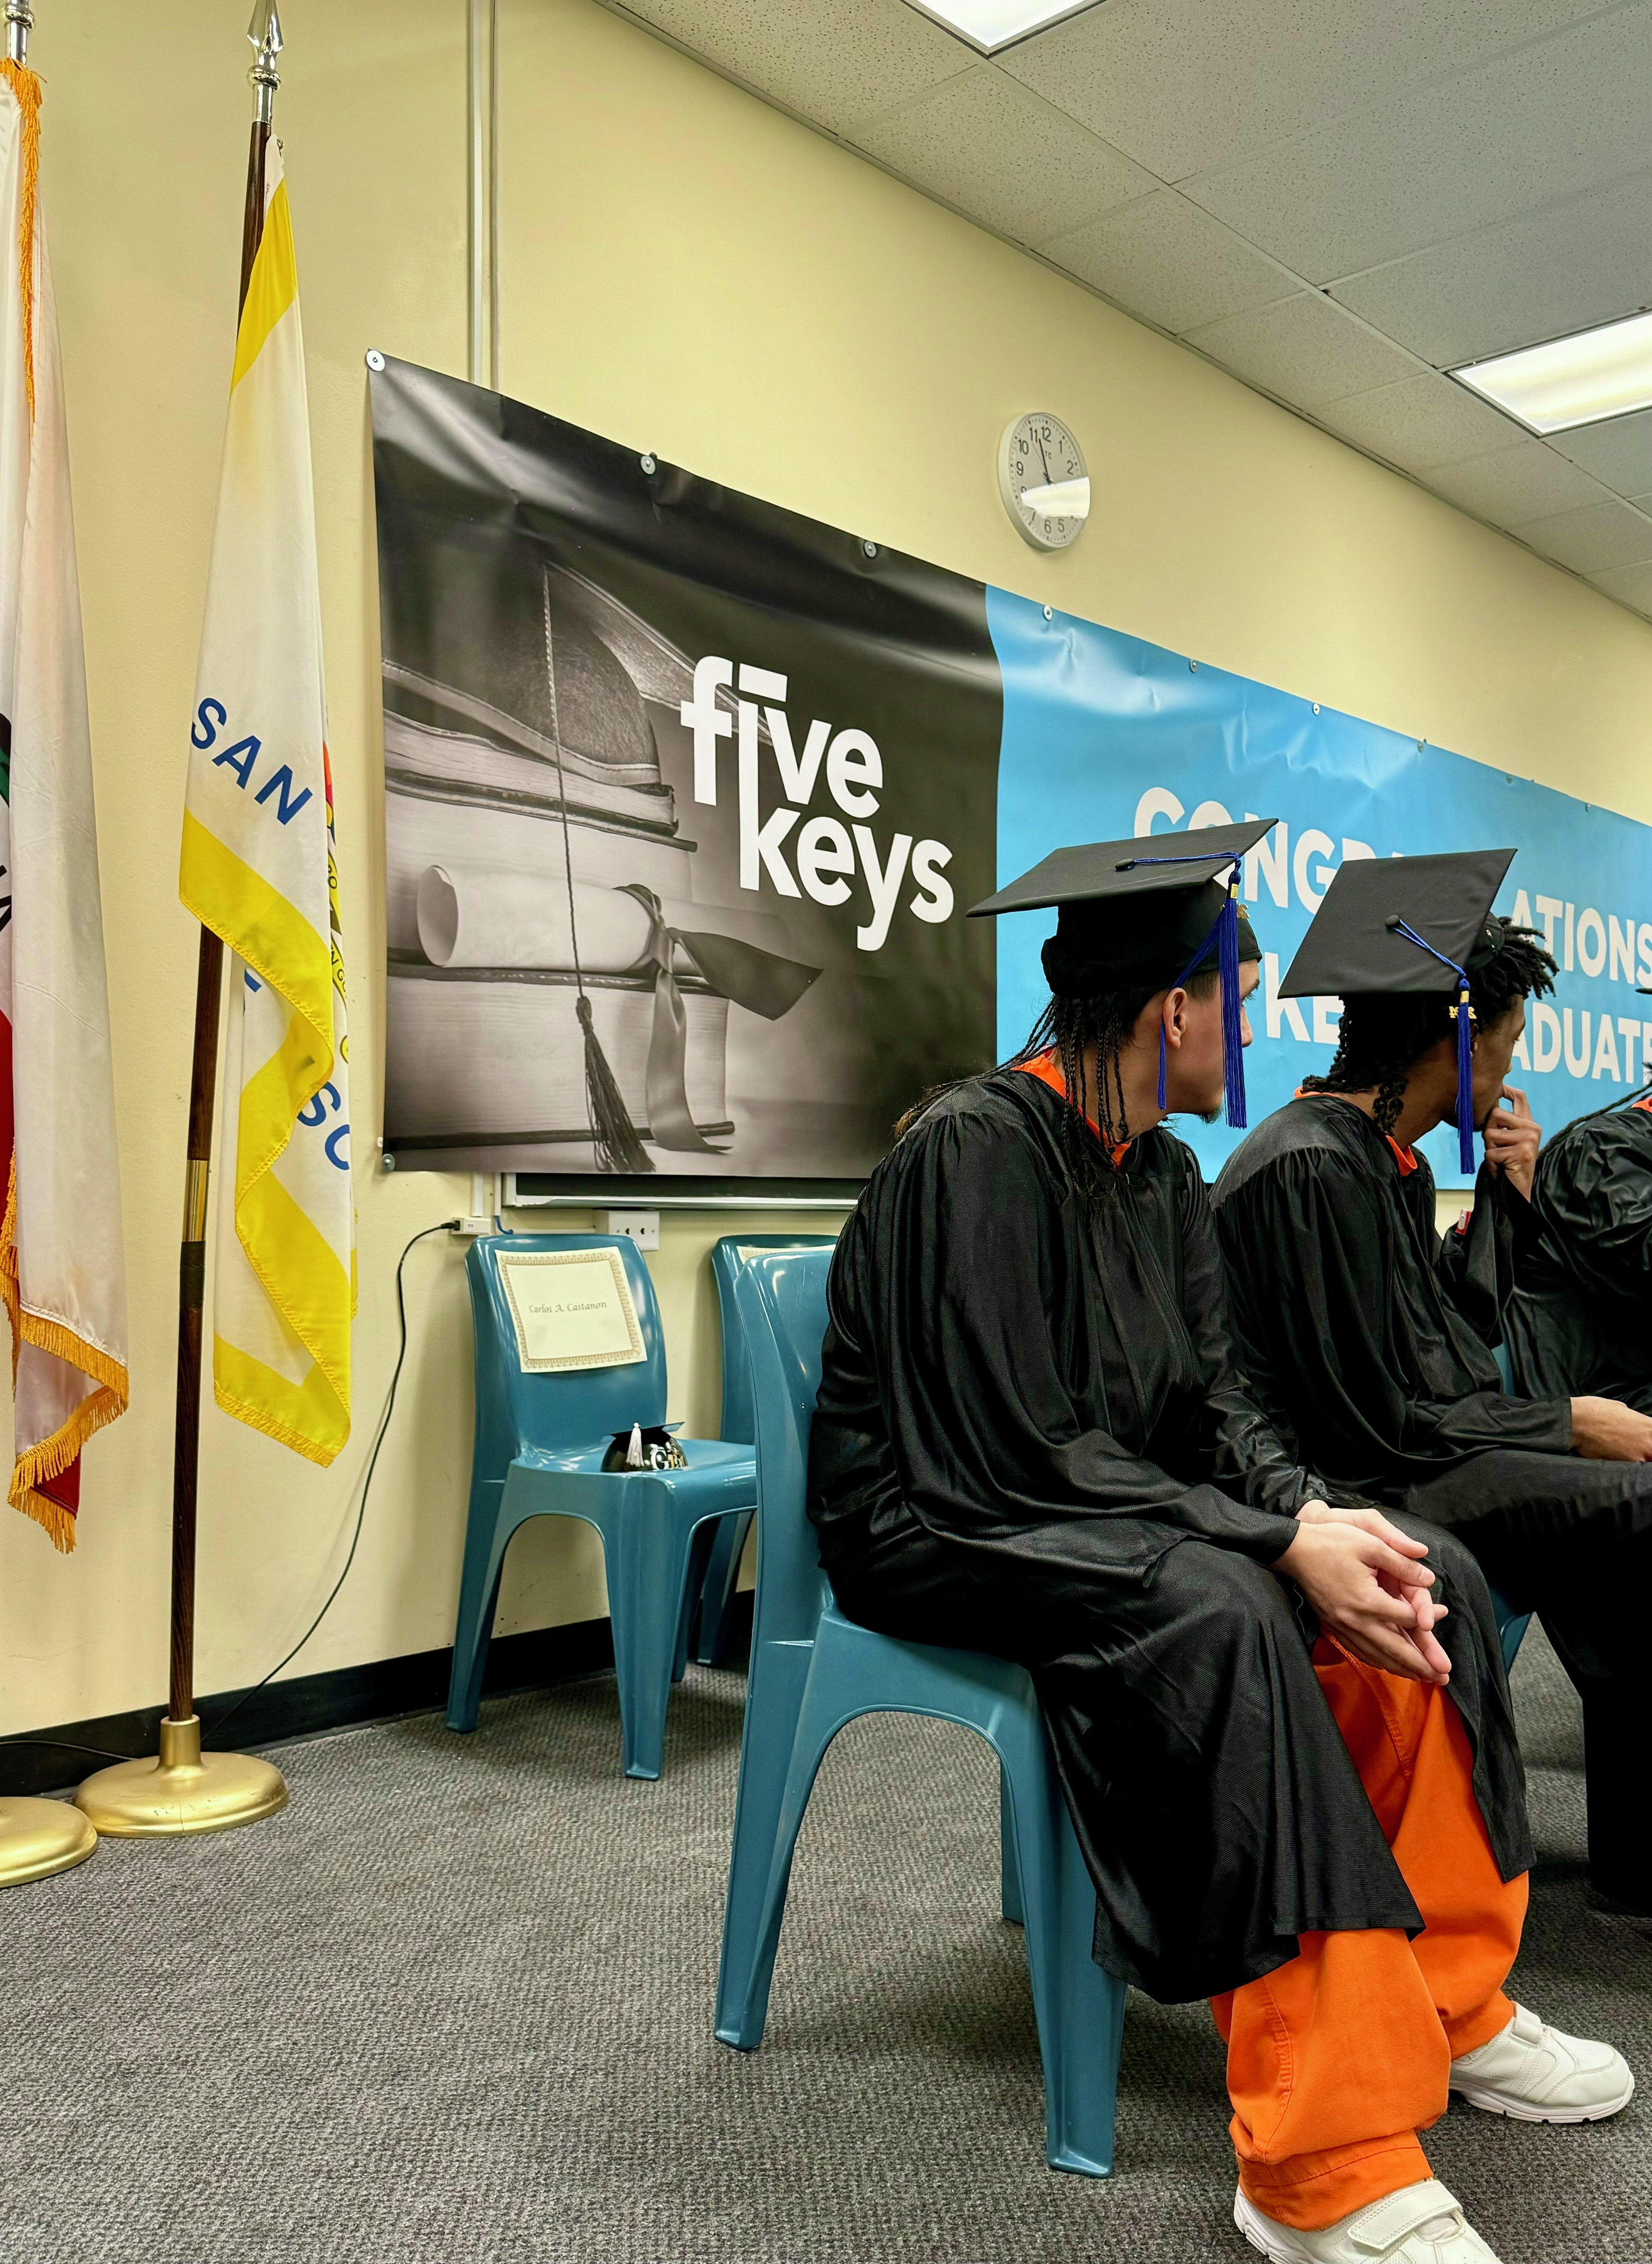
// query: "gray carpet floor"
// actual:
[[453, 2006]]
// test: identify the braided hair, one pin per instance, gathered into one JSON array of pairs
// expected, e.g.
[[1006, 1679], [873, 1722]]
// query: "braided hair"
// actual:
[[1384, 1035], [1069, 1028]]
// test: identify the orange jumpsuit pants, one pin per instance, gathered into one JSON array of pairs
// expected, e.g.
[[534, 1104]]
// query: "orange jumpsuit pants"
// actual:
[[1338, 2060]]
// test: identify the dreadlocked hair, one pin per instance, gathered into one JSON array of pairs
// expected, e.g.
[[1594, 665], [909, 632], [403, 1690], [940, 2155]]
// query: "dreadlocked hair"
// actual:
[[1384, 1035], [1098, 1024]]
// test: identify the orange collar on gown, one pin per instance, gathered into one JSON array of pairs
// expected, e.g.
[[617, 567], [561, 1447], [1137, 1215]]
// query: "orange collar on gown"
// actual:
[[1405, 1158], [1046, 1067]]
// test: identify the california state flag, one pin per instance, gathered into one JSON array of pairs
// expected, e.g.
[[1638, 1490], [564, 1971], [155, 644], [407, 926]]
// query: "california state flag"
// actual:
[[61, 1267], [257, 867]]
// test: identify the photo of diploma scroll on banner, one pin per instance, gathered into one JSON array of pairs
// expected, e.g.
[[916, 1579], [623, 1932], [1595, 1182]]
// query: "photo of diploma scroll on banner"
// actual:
[[685, 800], [1105, 736]]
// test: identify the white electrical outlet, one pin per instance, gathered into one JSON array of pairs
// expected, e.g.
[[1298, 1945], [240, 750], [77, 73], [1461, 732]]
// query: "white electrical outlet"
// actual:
[[641, 1227], [474, 1224]]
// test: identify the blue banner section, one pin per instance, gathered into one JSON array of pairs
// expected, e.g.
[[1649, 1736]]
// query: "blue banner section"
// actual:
[[1106, 737]]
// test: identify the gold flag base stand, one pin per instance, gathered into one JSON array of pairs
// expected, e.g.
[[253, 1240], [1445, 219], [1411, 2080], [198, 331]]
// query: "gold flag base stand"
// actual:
[[39, 1837], [184, 1790]]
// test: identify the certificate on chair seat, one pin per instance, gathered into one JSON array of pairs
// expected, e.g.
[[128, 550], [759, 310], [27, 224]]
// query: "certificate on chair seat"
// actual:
[[571, 1308]]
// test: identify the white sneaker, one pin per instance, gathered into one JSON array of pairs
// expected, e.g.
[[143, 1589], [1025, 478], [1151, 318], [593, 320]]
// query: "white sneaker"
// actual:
[[1535, 2074], [1418, 2224]]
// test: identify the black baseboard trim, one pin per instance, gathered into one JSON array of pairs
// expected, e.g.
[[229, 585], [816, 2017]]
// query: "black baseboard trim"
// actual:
[[382, 1690]]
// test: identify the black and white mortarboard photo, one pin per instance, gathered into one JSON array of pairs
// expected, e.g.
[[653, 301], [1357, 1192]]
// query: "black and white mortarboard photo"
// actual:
[[686, 797]]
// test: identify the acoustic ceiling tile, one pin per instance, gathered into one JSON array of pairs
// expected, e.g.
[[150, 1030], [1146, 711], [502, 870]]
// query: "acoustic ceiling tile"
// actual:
[[831, 60], [1516, 484], [1632, 585], [1305, 350], [986, 145], [1421, 422], [1619, 452], [1539, 277], [1552, 119], [1170, 263], [1185, 84], [1605, 534]]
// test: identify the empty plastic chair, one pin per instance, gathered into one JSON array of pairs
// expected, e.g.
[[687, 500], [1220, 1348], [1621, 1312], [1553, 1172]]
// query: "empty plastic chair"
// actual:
[[542, 1435], [813, 1671], [722, 1566]]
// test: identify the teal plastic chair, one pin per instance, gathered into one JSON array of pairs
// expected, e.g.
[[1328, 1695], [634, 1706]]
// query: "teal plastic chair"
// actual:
[[813, 1671], [722, 1568], [1512, 1625], [539, 1442]]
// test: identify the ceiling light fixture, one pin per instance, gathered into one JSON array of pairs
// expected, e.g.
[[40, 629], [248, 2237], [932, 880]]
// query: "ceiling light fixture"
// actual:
[[1582, 379], [991, 25]]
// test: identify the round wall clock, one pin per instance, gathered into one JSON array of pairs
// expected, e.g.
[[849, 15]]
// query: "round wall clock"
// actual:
[[1042, 479]]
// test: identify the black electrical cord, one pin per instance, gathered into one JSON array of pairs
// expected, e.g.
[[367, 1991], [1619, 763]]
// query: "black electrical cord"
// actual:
[[62, 1746], [447, 1226]]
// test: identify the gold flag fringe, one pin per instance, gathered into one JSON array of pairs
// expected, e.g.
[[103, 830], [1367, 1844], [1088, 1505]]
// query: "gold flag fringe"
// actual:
[[26, 87], [57, 1522], [51, 1458]]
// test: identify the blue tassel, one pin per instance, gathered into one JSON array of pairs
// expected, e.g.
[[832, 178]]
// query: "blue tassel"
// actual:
[[1465, 1082], [1233, 1057], [1226, 934]]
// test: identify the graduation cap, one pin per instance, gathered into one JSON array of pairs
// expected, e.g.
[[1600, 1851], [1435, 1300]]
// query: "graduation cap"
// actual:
[[1390, 925], [1150, 910]]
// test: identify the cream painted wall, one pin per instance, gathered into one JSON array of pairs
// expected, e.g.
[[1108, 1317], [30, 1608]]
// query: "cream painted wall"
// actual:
[[690, 271], [686, 270]]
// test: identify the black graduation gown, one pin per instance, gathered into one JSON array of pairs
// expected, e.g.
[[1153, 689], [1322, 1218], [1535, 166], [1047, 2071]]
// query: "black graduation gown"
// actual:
[[1030, 1439], [1580, 1320], [1368, 1344], [1350, 1312]]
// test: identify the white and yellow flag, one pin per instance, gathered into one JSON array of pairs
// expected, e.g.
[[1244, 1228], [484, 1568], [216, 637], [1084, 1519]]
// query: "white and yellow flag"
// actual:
[[258, 868]]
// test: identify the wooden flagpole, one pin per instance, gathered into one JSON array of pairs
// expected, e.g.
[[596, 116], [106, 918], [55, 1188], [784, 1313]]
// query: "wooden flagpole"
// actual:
[[185, 1790]]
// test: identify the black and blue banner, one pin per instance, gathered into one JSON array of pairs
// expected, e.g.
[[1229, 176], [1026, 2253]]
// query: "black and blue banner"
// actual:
[[709, 786]]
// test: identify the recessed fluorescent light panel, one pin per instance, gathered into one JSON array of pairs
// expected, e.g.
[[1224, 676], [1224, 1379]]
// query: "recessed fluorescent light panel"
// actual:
[[1582, 379], [991, 24]]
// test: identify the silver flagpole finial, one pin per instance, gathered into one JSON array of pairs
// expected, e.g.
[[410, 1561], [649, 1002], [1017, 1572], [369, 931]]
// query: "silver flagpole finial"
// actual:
[[19, 24], [265, 33]]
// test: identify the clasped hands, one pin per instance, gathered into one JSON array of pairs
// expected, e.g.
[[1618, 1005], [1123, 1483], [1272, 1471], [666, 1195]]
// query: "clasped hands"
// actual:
[[1362, 1575]]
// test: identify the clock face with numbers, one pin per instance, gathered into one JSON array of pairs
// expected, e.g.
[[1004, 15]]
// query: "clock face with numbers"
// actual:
[[1042, 479]]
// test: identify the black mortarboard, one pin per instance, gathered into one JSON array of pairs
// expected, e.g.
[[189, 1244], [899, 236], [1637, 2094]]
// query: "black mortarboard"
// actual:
[[1154, 909], [1408, 924]]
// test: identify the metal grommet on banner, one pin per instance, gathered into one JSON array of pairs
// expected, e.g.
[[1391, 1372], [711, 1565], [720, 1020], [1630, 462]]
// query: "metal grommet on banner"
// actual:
[[871, 548], [1192, 667], [375, 359], [1316, 706], [1049, 612], [647, 460], [387, 1163]]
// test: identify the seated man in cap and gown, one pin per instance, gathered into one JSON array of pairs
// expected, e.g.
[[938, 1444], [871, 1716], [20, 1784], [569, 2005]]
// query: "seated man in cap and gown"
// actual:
[[1032, 1437], [1371, 1344], [1580, 1320]]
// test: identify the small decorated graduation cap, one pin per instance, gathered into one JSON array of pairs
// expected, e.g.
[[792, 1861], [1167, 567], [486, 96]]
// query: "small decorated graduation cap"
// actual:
[[1407, 924], [1152, 910]]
